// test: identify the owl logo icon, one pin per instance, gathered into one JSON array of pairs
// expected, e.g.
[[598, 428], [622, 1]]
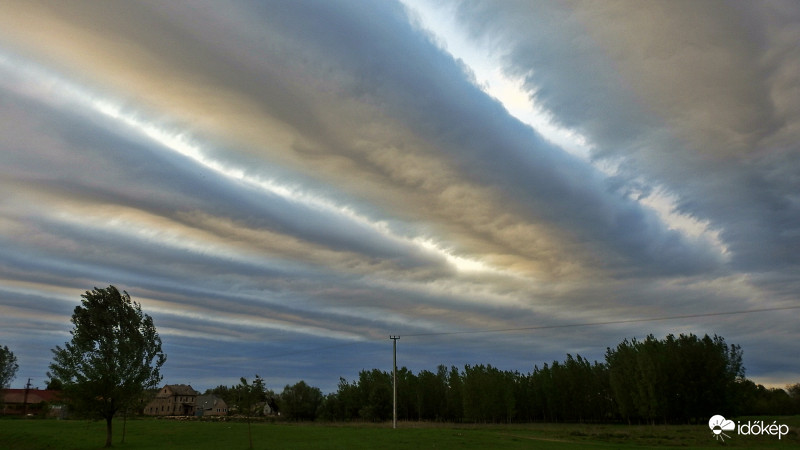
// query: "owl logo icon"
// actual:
[[719, 425]]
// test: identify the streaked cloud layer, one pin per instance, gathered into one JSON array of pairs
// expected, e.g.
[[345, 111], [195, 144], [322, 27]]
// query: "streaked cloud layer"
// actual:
[[285, 184]]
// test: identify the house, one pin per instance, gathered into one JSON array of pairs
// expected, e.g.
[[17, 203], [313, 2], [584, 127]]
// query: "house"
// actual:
[[173, 400], [30, 401], [211, 405]]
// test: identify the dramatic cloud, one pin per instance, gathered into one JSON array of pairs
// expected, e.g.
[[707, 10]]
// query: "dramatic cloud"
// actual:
[[285, 184]]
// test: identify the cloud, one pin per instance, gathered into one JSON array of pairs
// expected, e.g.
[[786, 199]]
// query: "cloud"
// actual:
[[682, 93], [291, 176]]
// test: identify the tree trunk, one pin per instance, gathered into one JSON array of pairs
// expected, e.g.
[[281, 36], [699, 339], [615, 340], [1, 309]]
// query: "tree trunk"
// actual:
[[249, 432], [108, 431], [124, 424]]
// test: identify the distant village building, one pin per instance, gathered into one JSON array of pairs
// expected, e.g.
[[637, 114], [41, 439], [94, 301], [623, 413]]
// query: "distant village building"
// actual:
[[211, 405], [31, 402], [271, 407], [173, 400]]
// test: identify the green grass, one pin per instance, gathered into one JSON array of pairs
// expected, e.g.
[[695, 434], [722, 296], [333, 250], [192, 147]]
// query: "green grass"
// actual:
[[20, 434]]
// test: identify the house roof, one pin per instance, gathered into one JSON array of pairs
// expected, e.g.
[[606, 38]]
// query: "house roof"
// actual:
[[34, 396], [210, 401], [181, 389]]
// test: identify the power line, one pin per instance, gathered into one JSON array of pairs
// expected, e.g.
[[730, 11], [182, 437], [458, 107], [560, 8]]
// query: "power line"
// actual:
[[539, 327], [609, 322]]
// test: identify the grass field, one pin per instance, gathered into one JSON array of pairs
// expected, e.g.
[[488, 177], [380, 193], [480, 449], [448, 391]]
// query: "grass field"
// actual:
[[169, 434]]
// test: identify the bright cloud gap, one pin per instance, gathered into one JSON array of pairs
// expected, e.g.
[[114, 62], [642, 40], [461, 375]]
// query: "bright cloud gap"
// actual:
[[180, 143], [491, 79]]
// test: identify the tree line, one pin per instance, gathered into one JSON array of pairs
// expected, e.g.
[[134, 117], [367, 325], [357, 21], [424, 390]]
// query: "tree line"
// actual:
[[114, 357], [300, 402], [672, 380], [678, 379]]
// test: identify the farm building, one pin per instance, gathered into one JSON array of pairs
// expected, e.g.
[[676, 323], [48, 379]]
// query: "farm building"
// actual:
[[173, 400], [30, 401], [211, 405]]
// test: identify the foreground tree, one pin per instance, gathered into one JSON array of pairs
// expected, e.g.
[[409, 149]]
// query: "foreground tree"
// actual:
[[249, 397], [114, 355], [8, 366]]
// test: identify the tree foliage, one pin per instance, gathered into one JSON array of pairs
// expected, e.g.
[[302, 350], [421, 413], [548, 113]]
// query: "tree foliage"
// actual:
[[300, 401], [677, 380], [250, 399], [113, 356], [8, 367]]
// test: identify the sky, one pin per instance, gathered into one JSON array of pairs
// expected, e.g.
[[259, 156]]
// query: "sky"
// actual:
[[284, 185]]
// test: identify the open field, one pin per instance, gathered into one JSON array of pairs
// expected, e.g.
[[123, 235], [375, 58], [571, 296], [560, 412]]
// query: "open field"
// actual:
[[168, 434]]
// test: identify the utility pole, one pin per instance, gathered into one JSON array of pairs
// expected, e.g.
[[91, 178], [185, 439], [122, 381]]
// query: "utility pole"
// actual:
[[394, 381], [25, 399]]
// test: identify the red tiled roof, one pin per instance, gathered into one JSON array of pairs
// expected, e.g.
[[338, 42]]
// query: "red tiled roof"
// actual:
[[35, 396]]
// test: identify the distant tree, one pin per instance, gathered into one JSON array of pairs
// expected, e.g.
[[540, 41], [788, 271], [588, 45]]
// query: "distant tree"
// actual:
[[349, 401], [114, 355], [579, 388], [8, 366], [781, 402], [375, 392], [540, 390], [794, 393], [301, 401], [407, 396], [794, 390], [224, 392], [8, 369], [54, 384], [675, 379], [455, 396], [431, 394], [248, 397], [488, 394], [603, 404], [524, 398]]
